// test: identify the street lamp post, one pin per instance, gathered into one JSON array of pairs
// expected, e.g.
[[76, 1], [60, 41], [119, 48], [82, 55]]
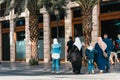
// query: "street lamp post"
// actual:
[[57, 17]]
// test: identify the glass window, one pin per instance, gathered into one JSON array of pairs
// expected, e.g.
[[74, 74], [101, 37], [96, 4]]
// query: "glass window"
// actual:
[[40, 18], [114, 28], [53, 17], [20, 45], [20, 22], [61, 32], [78, 30], [77, 12], [41, 44], [109, 7], [5, 47], [20, 36], [5, 24], [41, 34]]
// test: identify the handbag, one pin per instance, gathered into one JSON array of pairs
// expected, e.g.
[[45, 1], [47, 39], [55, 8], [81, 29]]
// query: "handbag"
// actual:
[[72, 55], [105, 54]]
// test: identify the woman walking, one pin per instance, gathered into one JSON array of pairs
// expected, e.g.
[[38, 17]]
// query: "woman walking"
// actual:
[[76, 56], [100, 46]]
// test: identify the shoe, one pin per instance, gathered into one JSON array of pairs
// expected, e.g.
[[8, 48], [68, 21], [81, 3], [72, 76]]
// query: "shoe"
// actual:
[[107, 70], [101, 71], [57, 72], [88, 73], [93, 72], [53, 72]]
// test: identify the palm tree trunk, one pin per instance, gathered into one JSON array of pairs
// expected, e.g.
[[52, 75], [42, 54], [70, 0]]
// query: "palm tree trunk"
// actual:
[[34, 35], [87, 25]]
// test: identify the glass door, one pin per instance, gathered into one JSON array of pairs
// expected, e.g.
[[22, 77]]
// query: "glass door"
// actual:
[[5, 47], [78, 31], [61, 39], [20, 45], [40, 45]]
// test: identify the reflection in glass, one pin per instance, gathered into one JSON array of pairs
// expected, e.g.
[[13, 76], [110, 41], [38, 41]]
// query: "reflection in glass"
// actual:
[[20, 45], [40, 45]]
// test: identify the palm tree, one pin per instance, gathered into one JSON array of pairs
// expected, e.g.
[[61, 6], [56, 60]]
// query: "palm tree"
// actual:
[[87, 7], [33, 6], [56, 7]]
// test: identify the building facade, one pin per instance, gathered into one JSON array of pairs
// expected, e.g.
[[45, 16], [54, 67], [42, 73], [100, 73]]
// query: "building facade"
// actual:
[[15, 39]]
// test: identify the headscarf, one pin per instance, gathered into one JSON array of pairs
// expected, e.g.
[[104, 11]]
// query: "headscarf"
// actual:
[[102, 44], [55, 41], [78, 43]]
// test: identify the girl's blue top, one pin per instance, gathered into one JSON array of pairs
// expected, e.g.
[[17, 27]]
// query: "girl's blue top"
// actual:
[[56, 48]]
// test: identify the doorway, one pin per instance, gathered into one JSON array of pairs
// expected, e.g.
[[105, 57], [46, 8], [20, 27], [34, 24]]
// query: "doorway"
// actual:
[[41, 45], [78, 31], [111, 27], [61, 39], [20, 45], [5, 47]]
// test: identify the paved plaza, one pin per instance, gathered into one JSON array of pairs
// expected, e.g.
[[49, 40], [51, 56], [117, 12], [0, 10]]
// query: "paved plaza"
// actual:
[[22, 71]]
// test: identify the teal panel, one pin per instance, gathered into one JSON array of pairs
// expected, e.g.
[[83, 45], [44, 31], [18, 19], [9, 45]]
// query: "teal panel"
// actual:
[[62, 42], [20, 49], [40, 49]]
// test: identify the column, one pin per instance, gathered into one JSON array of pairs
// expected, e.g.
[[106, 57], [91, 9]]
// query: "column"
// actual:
[[68, 29], [0, 42], [95, 24], [46, 26], [12, 36], [12, 41], [27, 37]]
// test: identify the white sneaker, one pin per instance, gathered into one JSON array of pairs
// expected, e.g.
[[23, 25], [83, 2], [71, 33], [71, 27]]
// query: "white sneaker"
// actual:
[[93, 72], [101, 71], [57, 72], [53, 72]]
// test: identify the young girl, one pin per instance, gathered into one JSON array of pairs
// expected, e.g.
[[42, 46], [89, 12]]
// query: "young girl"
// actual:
[[56, 50], [90, 53]]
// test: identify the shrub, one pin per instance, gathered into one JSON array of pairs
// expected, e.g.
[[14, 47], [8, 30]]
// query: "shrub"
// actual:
[[33, 61]]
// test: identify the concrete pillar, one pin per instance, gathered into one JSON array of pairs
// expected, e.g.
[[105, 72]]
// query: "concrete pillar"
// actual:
[[27, 37], [68, 28], [46, 26], [0, 42], [12, 36], [12, 41], [95, 24]]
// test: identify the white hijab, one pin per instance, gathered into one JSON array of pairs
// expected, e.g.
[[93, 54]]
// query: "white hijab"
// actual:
[[78, 43], [55, 41]]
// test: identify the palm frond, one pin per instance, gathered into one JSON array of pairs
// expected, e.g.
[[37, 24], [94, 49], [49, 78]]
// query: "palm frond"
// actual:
[[52, 5], [19, 5], [9, 6], [86, 4], [32, 6], [16, 4], [40, 3], [2, 1]]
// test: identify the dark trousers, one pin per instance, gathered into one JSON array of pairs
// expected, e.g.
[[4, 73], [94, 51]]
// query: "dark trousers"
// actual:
[[77, 67]]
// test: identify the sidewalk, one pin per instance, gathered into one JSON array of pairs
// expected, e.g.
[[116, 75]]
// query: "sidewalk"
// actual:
[[22, 71]]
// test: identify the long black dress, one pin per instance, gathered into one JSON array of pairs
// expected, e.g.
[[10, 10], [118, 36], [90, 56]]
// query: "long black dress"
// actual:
[[77, 63]]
